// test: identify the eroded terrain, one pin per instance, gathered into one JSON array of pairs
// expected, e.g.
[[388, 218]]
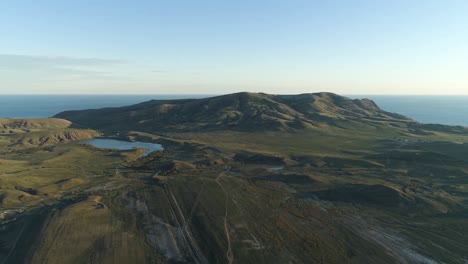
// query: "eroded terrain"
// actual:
[[327, 195]]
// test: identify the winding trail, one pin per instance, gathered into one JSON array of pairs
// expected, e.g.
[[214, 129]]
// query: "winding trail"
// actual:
[[258, 245], [229, 254], [189, 240], [14, 244], [195, 204]]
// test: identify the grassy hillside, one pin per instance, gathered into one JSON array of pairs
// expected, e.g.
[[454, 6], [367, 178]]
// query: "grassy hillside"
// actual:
[[36, 163], [240, 111], [48, 137], [36, 123], [39, 132], [244, 184]]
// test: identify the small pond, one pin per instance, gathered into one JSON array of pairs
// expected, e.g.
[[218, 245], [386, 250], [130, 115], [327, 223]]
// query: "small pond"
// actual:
[[107, 143]]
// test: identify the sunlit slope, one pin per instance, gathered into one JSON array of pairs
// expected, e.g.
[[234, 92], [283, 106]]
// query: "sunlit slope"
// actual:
[[352, 184], [240, 111], [35, 123]]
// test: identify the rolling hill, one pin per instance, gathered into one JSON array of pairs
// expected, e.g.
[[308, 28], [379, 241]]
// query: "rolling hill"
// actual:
[[37, 123], [24, 133], [239, 111], [243, 178]]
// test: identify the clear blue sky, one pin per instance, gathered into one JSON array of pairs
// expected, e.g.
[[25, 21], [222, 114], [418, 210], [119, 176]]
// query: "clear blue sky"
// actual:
[[208, 46]]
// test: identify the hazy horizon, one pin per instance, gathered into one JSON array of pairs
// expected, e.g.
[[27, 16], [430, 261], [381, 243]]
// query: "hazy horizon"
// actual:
[[204, 94], [210, 47]]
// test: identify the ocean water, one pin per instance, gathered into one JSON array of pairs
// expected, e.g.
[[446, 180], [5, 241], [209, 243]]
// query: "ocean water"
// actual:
[[33, 106], [448, 110]]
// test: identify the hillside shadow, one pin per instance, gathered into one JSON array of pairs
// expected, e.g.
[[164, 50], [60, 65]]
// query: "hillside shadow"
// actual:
[[4, 248]]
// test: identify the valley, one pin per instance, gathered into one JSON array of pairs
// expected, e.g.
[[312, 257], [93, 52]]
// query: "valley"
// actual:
[[242, 178]]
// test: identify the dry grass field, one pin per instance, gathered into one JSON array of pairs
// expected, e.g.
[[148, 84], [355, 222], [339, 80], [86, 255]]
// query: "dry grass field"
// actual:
[[330, 194]]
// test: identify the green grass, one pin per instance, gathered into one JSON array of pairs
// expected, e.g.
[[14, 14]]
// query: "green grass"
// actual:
[[29, 175], [267, 221]]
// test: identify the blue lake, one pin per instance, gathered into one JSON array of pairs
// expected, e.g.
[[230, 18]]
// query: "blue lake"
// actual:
[[107, 143]]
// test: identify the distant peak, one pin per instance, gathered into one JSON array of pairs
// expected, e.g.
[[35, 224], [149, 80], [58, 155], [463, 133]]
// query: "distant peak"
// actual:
[[241, 111]]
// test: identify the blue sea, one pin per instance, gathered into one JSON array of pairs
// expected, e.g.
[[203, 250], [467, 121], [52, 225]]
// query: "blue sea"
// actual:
[[33, 106], [433, 109], [449, 110]]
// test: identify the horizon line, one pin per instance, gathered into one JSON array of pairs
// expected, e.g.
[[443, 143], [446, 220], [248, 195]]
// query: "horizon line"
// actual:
[[217, 94]]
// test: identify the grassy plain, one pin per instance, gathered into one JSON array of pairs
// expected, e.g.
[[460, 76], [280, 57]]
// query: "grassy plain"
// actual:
[[370, 194]]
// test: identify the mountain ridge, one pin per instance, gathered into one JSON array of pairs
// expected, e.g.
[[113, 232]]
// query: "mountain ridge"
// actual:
[[239, 111], [36, 123]]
